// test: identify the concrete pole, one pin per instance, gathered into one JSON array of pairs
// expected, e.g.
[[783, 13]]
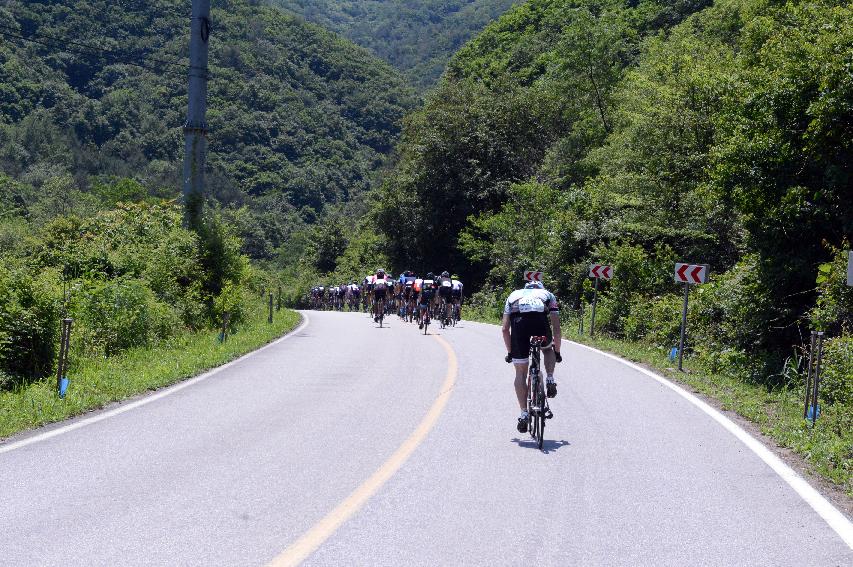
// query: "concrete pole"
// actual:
[[195, 129]]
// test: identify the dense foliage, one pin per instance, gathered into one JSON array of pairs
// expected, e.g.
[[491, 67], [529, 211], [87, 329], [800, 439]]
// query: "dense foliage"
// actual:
[[640, 134], [298, 117], [130, 276], [416, 37]]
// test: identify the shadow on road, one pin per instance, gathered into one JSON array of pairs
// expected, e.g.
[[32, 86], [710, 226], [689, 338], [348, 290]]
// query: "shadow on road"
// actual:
[[547, 445]]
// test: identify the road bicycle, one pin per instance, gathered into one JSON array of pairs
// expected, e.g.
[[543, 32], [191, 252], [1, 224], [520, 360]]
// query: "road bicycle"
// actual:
[[425, 318], [537, 402]]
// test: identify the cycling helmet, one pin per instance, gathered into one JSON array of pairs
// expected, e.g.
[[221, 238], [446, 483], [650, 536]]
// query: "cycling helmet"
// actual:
[[534, 285], [430, 276], [445, 274]]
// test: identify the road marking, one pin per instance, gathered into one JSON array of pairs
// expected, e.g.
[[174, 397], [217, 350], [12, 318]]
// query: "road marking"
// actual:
[[302, 548], [830, 514], [147, 400]]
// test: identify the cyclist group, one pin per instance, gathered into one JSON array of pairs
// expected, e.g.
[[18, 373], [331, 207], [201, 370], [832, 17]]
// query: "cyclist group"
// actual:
[[531, 312], [412, 298]]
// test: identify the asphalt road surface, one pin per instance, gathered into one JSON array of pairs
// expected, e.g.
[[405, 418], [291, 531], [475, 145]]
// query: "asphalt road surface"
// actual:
[[346, 444]]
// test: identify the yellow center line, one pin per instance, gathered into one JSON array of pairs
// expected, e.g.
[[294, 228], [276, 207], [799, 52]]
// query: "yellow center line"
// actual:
[[322, 530]]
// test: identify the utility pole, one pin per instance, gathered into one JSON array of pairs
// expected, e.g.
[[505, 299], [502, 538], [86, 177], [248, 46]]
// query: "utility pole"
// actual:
[[195, 128]]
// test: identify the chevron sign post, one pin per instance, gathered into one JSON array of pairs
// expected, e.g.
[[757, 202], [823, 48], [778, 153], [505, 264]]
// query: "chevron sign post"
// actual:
[[533, 276], [688, 274], [599, 272], [691, 273]]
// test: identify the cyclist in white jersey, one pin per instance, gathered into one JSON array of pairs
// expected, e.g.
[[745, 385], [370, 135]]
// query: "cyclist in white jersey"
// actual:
[[526, 314]]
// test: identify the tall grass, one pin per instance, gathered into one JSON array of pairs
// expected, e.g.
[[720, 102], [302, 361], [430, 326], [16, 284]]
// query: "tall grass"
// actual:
[[96, 382]]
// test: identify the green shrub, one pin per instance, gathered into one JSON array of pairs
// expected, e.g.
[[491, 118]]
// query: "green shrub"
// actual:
[[637, 274], [655, 320], [120, 314], [29, 324], [231, 300], [837, 373], [833, 312], [729, 317]]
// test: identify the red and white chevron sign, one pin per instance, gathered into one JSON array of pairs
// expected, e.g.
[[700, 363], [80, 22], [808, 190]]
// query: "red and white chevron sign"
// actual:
[[601, 271], [691, 273], [532, 276]]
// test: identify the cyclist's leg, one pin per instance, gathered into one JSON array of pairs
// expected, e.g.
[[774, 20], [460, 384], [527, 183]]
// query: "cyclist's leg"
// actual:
[[520, 334]]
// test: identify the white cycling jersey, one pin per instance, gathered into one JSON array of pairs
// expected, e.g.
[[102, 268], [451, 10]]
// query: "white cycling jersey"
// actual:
[[456, 284], [531, 301]]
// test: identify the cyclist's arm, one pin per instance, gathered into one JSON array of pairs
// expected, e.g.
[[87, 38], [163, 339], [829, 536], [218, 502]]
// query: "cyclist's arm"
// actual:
[[506, 334], [557, 331]]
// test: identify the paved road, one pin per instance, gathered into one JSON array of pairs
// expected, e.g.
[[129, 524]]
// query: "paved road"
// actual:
[[237, 467]]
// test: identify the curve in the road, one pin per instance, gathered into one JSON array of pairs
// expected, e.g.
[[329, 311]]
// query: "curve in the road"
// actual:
[[314, 538], [830, 514]]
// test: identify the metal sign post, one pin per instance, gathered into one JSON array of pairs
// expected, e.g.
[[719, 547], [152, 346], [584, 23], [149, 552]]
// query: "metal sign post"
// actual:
[[812, 409], [688, 274], [597, 271], [594, 304], [580, 319], [683, 327], [62, 364]]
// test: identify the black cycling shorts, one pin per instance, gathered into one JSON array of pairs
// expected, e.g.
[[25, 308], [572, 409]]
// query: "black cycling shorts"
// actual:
[[522, 327], [445, 291], [379, 293]]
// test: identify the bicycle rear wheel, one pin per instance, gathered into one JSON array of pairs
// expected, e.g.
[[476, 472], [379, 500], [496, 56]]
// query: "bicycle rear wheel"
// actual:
[[539, 418]]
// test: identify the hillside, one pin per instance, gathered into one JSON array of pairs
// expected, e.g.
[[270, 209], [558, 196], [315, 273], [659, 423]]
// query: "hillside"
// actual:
[[298, 117], [574, 131], [416, 37]]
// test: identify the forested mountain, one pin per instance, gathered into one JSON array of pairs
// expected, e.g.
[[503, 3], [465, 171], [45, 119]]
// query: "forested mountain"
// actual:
[[639, 134], [95, 91], [416, 37]]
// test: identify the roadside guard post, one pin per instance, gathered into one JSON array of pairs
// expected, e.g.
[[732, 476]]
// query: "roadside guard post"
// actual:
[[811, 411], [850, 268], [269, 319], [62, 365], [688, 274], [598, 272]]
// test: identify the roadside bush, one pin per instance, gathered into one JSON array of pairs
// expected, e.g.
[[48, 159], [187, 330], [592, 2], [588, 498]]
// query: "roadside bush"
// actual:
[[655, 320], [837, 373], [833, 312], [29, 324], [638, 273], [730, 315], [231, 300], [120, 314]]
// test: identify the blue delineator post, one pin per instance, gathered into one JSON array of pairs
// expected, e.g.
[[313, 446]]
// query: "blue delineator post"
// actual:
[[195, 128]]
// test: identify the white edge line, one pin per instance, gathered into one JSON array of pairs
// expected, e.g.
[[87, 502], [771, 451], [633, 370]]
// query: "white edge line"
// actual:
[[5, 448], [831, 515]]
